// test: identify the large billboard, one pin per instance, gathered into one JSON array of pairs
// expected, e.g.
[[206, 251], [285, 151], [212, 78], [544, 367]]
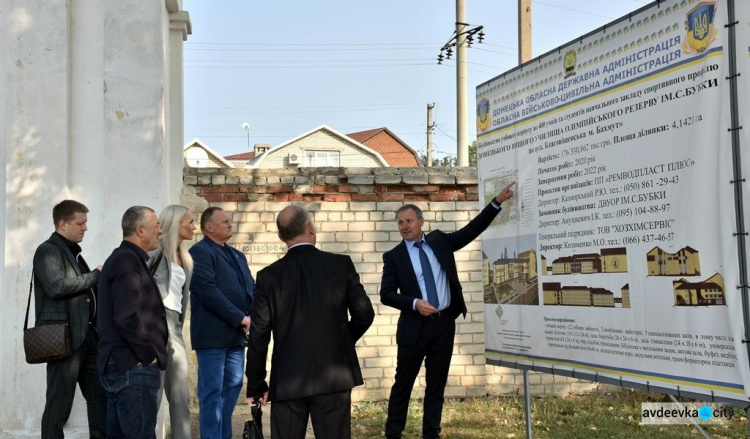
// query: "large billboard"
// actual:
[[618, 257]]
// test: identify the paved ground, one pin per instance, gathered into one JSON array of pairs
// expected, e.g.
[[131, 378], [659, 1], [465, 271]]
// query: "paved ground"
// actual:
[[242, 414]]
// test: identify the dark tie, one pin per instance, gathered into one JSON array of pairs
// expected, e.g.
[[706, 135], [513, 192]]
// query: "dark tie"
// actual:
[[429, 278]]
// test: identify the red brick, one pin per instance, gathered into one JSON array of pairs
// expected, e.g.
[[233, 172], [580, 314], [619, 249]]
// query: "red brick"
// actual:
[[311, 197], [416, 197], [364, 197], [450, 190], [390, 197], [225, 189], [425, 188], [235, 197], [461, 197], [472, 190], [345, 188], [443, 197], [278, 189], [320, 189], [279, 197], [472, 197], [337, 197], [399, 188], [211, 198], [381, 188], [295, 197]]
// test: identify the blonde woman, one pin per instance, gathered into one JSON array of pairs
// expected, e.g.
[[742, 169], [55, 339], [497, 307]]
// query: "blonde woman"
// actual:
[[172, 267]]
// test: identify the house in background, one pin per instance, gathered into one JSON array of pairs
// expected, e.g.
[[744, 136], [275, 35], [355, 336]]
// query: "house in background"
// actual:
[[242, 160], [322, 146], [197, 154], [394, 150]]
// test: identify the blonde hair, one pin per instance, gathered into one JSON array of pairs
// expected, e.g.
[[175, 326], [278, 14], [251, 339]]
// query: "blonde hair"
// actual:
[[169, 221]]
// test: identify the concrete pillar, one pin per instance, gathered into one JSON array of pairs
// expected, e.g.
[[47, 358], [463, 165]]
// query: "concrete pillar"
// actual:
[[87, 101]]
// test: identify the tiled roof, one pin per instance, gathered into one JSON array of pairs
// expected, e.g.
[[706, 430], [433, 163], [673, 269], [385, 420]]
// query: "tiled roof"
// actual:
[[242, 156], [394, 150]]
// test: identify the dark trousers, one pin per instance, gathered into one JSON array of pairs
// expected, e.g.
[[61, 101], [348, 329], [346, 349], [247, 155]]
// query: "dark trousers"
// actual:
[[331, 416], [435, 347], [131, 400], [62, 377]]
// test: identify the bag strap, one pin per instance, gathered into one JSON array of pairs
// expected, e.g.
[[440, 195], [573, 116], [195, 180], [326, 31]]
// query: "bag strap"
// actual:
[[28, 305], [31, 288]]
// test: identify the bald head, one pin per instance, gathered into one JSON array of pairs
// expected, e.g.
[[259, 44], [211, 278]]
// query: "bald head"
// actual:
[[295, 225]]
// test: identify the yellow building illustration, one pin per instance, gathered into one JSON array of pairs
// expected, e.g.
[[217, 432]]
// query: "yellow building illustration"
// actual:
[[522, 266], [609, 260], [625, 295], [542, 265], [705, 293], [513, 279], [614, 260], [685, 262], [555, 293], [550, 292]]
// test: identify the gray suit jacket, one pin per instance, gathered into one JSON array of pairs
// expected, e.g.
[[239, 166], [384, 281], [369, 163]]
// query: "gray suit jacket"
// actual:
[[163, 275], [58, 281]]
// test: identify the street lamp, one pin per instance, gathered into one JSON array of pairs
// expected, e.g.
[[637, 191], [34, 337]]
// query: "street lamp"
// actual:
[[246, 127]]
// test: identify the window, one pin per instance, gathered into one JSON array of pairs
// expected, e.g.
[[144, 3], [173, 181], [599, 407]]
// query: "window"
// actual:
[[322, 158]]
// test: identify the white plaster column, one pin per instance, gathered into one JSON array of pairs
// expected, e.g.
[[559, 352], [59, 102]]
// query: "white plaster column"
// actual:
[[83, 98], [179, 29]]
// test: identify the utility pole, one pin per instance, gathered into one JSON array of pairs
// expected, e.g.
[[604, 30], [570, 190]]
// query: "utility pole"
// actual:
[[462, 39], [430, 127], [524, 31], [462, 75]]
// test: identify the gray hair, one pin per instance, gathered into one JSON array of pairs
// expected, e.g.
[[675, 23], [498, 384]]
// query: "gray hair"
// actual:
[[132, 218], [413, 207]]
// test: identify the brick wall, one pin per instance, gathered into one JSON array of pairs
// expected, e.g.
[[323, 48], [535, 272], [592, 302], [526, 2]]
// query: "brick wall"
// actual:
[[354, 211]]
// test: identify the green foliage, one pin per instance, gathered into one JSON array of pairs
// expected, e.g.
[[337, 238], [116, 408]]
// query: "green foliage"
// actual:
[[595, 415], [451, 160]]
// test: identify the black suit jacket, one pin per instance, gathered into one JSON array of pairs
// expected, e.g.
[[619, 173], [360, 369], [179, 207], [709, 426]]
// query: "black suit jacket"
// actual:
[[399, 286], [59, 282], [219, 299], [306, 298], [132, 322]]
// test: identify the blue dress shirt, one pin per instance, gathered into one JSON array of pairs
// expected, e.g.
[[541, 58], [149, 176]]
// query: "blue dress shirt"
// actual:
[[441, 279]]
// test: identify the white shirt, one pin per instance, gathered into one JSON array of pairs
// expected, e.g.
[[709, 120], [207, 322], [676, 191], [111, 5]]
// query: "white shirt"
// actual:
[[177, 279]]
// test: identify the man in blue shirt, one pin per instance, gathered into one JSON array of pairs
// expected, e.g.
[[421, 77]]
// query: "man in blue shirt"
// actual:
[[420, 279]]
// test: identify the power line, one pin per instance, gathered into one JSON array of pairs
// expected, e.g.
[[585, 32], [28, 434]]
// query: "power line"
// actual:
[[573, 10], [264, 67]]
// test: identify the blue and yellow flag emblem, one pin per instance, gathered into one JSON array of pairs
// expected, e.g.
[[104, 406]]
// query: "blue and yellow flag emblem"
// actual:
[[483, 115], [699, 25]]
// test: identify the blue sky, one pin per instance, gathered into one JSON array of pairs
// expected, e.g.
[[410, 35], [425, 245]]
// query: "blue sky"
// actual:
[[288, 67]]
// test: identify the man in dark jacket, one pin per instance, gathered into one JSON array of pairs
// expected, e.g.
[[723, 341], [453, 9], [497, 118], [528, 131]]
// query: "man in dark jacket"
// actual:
[[65, 290], [420, 279], [133, 328], [305, 299], [221, 293]]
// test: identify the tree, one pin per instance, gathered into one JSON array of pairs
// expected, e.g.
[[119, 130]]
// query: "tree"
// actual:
[[450, 160], [473, 154]]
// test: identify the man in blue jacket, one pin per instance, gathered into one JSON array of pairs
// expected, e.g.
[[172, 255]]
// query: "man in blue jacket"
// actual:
[[221, 293]]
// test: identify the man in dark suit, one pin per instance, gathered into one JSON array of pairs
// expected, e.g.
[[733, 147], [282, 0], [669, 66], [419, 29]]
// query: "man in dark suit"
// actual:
[[421, 280], [305, 299], [221, 293], [133, 328], [66, 291]]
